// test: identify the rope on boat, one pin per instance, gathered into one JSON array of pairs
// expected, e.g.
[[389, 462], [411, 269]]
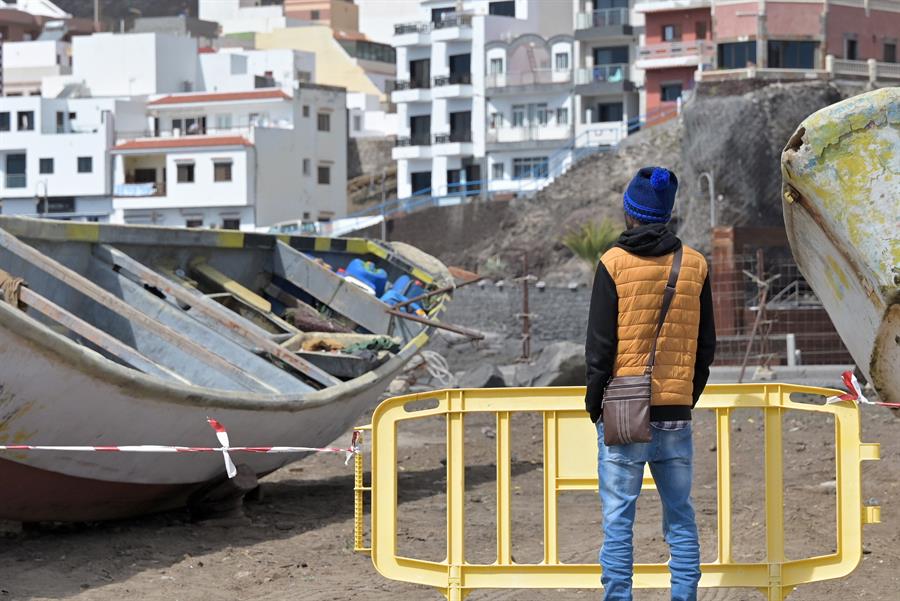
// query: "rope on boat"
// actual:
[[221, 434]]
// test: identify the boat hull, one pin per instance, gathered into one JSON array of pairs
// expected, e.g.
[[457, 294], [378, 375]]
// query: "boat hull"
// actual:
[[841, 172]]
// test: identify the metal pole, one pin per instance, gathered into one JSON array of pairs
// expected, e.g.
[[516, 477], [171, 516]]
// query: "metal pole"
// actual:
[[526, 317], [383, 215], [96, 15]]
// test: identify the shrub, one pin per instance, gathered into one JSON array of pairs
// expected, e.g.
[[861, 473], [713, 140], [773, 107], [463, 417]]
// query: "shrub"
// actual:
[[592, 240]]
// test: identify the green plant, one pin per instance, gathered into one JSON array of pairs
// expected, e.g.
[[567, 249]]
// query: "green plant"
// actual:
[[494, 267], [591, 240]]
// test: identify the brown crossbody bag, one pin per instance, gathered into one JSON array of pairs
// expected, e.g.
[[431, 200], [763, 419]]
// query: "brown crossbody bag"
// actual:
[[626, 399]]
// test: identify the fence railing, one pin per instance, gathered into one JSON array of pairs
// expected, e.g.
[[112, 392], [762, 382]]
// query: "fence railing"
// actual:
[[452, 79], [528, 134], [673, 49], [604, 17], [140, 189], [870, 70], [528, 78], [569, 465]]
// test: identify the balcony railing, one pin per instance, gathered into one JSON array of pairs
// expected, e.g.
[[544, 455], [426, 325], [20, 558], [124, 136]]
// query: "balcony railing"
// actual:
[[412, 84], [140, 189], [529, 78], [453, 136], [16, 180], [613, 73], [422, 27], [675, 49], [414, 140], [452, 79], [534, 133], [603, 17]]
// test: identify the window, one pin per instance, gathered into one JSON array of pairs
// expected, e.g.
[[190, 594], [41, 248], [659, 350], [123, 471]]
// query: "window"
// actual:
[[223, 121], [671, 33], [25, 120], [420, 182], [615, 55], [497, 171], [850, 49], [670, 92], [737, 55], [222, 171], [306, 110], [85, 164], [420, 73], [176, 124], [543, 115], [4, 121], [185, 173], [792, 55], [324, 122], [700, 30], [193, 223], [60, 122], [305, 166], [530, 167], [609, 111], [890, 56], [496, 120], [562, 115], [314, 15], [231, 224], [357, 122], [496, 66], [502, 8], [45, 165], [324, 174], [518, 115], [562, 61], [437, 14], [15, 171]]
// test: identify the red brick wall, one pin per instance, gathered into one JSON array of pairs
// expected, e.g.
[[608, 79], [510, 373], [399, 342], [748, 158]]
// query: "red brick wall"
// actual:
[[654, 78], [793, 20], [686, 19], [730, 26]]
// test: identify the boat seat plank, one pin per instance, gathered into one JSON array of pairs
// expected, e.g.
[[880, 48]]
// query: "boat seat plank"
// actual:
[[253, 334], [331, 289], [213, 276], [108, 343], [116, 305]]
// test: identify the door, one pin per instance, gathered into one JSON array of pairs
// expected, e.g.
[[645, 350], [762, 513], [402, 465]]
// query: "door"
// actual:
[[473, 179], [145, 176], [454, 177], [420, 130], [420, 73], [461, 126], [460, 68]]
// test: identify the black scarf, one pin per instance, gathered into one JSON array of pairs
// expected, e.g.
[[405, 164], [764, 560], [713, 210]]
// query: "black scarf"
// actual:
[[651, 240]]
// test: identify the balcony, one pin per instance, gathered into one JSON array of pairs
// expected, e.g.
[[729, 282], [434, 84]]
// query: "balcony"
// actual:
[[454, 143], [522, 82], [452, 27], [140, 190], [455, 85], [412, 34], [603, 79], [653, 6], [417, 146], [603, 23], [411, 91], [534, 136], [676, 54]]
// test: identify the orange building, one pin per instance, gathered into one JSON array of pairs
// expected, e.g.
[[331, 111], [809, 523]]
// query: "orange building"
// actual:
[[340, 15]]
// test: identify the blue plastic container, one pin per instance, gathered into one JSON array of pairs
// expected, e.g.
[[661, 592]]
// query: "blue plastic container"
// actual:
[[367, 272]]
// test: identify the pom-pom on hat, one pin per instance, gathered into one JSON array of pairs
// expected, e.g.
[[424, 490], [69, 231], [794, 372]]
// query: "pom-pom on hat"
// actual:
[[651, 195]]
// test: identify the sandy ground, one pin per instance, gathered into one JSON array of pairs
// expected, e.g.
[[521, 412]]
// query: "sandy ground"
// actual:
[[296, 542]]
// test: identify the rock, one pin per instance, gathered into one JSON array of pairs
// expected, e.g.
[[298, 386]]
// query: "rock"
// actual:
[[484, 376], [519, 374], [398, 386], [559, 364]]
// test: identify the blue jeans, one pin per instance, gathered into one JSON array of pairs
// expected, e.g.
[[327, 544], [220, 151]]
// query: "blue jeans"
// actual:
[[621, 469]]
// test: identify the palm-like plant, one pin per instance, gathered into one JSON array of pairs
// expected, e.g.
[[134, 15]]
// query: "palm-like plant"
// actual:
[[591, 240]]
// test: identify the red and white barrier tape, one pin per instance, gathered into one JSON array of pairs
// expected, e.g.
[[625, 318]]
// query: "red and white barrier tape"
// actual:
[[221, 434], [855, 393]]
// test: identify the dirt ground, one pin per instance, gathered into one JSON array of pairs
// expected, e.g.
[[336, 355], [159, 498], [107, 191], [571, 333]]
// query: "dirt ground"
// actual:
[[296, 542]]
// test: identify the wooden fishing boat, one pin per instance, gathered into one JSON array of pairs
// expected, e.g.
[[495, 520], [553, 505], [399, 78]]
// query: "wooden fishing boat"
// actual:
[[841, 172], [134, 335]]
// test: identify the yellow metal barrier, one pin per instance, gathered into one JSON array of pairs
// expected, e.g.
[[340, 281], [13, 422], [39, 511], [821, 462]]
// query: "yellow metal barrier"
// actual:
[[567, 466]]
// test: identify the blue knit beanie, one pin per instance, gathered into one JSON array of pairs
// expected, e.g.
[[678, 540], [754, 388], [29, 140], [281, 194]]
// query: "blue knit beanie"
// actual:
[[651, 195]]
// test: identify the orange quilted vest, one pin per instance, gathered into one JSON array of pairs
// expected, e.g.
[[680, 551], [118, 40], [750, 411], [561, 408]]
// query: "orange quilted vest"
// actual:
[[640, 282]]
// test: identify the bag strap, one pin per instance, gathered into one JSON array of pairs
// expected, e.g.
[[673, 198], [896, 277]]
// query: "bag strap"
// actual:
[[668, 295]]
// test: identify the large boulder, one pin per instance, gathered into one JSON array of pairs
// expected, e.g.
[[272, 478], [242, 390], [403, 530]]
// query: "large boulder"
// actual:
[[559, 364], [483, 376]]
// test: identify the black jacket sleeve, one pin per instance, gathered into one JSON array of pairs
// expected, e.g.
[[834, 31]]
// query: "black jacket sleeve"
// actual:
[[706, 340], [600, 346]]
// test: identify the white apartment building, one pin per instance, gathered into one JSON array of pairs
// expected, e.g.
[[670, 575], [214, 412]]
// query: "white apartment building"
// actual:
[[368, 117], [441, 95], [238, 160], [54, 154], [606, 82], [243, 16], [530, 111], [26, 64], [236, 69]]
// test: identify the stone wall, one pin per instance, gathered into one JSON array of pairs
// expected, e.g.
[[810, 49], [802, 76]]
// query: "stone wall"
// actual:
[[368, 155], [558, 313]]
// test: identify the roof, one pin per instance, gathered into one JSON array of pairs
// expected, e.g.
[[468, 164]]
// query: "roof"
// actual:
[[183, 142], [263, 94]]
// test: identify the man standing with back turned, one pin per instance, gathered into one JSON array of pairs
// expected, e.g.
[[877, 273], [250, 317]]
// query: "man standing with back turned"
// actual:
[[626, 305]]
